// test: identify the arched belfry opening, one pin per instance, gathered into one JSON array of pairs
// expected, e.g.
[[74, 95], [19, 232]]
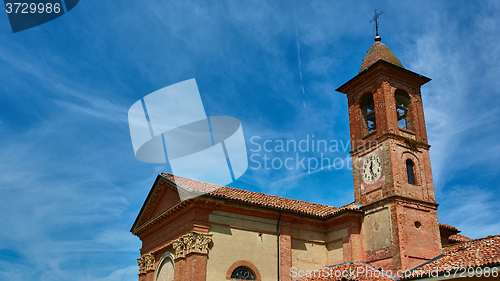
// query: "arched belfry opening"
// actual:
[[368, 110], [403, 109]]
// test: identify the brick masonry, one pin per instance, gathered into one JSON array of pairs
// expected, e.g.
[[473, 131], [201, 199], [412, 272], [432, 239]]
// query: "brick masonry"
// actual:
[[413, 227]]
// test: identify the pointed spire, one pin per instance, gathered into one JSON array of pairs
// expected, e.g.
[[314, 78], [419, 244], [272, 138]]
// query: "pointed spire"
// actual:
[[377, 52]]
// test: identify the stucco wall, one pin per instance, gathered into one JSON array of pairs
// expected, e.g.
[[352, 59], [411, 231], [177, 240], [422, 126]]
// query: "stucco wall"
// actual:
[[236, 237], [335, 252], [308, 255], [334, 247], [308, 248]]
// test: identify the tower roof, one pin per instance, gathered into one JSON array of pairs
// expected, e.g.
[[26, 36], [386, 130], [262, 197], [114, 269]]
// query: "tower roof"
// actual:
[[379, 51]]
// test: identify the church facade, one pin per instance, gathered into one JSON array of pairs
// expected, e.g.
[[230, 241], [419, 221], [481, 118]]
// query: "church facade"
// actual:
[[233, 234]]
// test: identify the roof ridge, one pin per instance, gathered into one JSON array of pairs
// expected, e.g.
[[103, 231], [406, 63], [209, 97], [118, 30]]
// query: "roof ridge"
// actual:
[[168, 174], [276, 196]]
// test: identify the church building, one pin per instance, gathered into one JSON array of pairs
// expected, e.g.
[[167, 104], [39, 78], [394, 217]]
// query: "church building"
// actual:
[[390, 231]]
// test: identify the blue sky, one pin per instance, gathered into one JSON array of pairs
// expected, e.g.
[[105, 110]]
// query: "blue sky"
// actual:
[[70, 186]]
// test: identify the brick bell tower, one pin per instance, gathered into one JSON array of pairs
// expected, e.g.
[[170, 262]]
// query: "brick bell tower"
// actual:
[[391, 164]]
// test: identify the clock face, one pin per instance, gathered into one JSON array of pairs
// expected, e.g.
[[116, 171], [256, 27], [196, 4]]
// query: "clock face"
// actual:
[[372, 168]]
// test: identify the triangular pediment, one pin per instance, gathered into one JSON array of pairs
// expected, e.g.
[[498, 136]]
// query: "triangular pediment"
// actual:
[[163, 196]]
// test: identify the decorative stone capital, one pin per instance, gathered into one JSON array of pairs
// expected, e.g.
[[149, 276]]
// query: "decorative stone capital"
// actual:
[[193, 242], [146, 263]]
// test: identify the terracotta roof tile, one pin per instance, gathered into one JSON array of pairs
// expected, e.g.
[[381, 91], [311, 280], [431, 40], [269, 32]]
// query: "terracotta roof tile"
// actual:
[[442, 225], [379, 51], [257, 198], [470, 254], [457, 238]]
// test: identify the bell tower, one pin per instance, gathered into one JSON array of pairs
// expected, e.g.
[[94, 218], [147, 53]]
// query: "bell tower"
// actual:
[[391, 164]]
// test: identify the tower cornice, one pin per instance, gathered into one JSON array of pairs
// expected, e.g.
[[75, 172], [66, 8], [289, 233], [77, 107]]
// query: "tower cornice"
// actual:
[[381, 68], [399, 199], [370, 144]]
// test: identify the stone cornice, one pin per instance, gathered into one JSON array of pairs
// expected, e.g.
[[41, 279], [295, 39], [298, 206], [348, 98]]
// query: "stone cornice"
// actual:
[[156, 220], [402, 199], [381, 68], [373, 143]]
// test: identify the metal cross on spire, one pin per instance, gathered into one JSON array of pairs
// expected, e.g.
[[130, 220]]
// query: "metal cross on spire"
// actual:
[[375, 19]]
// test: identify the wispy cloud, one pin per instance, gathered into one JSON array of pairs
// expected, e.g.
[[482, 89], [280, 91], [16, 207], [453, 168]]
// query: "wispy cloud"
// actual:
[[472, 209], [460, 106], [98, 108]]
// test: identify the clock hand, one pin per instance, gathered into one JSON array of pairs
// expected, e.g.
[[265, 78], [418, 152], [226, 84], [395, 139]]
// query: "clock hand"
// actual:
[[371, 171]]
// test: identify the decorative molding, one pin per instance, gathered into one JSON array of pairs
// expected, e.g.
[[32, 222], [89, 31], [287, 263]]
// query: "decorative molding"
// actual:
[[162, 261], [400, 200], [158, 219], [246, 264], [146, 263], [415, 205], [193, 242]]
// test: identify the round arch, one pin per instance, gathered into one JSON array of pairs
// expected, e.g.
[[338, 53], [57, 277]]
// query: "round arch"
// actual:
[[403, 109], [407, 155], [367, 107], [246, 264], [166, 268]]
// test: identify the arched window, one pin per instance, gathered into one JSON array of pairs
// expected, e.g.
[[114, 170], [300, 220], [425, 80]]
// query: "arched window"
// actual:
[[243, 273], [403, 109], [410, 171], [368, 110]]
